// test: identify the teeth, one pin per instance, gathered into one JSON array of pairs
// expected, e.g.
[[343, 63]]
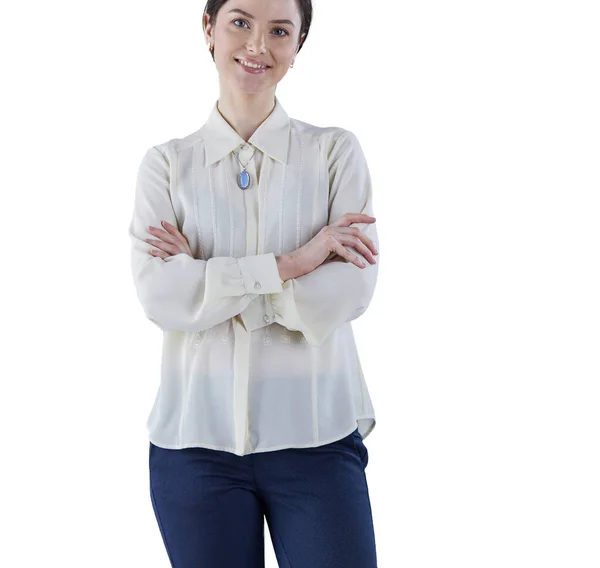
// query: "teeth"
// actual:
[[253, 65]]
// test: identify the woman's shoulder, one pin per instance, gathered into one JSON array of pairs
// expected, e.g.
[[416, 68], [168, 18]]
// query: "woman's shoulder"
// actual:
[[175, 145], [183, 142], [326, 135]]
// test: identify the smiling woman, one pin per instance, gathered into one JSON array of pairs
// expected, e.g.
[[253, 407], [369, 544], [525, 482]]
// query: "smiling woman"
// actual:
[[260, 40], [253, 249]]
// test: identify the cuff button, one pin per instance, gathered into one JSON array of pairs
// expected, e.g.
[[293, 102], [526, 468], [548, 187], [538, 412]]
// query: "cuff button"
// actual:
[[257, 285]]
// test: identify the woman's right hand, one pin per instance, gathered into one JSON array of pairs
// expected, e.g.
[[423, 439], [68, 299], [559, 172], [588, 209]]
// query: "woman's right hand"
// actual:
[[330, 241]]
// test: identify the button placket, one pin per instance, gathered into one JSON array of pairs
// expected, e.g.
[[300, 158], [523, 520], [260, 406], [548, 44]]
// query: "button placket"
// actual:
[[267, 337]]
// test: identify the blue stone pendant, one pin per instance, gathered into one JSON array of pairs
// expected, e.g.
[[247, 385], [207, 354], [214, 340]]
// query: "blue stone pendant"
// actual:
[[243, 180]]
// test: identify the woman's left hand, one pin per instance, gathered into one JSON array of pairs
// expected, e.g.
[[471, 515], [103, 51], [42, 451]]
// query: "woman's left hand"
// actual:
[[171, 241]]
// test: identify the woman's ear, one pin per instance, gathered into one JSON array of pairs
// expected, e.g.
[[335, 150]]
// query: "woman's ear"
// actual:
[[300, 42], [208, 28]]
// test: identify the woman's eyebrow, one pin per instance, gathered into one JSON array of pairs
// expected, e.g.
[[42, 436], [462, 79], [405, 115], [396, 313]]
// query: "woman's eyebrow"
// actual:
[[239, 11]]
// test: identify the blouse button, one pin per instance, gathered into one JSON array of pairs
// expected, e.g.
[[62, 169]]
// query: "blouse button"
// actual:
[[257, 285], [267, 319]]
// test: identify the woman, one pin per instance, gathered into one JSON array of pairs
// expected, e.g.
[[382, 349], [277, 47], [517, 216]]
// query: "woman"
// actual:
[[253, 248]]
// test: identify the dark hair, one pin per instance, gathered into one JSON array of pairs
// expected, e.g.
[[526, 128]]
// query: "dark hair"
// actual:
[[304, 6]]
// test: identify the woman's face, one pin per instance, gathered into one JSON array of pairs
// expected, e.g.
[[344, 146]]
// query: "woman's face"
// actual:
[[263, 31]]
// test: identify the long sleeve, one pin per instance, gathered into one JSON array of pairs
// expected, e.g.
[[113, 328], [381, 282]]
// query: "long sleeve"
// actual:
[[336, 291], [180, 292]]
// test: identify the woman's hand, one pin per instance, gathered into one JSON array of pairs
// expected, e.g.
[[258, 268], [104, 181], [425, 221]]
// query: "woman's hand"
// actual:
[[171, 241], [328, 244]]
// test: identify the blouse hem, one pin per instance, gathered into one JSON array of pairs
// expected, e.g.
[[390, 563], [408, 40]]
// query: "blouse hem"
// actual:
[[273, 448]]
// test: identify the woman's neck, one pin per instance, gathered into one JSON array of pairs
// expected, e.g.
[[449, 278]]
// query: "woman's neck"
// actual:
[[246, 112]]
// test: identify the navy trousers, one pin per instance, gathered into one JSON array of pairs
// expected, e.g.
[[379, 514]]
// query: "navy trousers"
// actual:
[[211, 505]]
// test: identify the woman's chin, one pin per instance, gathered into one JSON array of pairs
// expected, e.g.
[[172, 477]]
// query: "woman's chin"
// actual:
[[252, 87]]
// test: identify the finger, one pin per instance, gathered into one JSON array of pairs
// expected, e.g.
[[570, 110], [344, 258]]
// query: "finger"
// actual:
[[366, 246], [167, 247], [163, 235], [357, 233], [159, 253], [349, 218], [360, 215], [361, 235], [360, 218], [359, 246], [345, 253], [184, 245], [173, 236], [174, 231]]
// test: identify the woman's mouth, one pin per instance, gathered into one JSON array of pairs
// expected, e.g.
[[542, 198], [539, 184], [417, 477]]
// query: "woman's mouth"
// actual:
[[251, 67]]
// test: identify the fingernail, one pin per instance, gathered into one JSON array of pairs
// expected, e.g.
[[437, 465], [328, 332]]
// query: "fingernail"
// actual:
[[164, 223]]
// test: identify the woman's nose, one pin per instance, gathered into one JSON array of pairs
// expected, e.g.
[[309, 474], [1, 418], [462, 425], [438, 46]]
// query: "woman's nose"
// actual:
[[256, 45]]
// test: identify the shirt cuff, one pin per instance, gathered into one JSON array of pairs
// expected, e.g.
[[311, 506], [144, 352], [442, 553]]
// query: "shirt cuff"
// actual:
[[260, 274]]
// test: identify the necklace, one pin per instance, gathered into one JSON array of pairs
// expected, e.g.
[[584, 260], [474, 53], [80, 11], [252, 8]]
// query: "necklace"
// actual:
[[243, 179]]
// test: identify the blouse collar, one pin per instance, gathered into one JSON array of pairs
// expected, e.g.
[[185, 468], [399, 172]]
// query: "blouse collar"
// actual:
[[271, 137]]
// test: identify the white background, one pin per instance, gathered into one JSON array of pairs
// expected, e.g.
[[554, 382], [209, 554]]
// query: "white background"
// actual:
[[481, 125]]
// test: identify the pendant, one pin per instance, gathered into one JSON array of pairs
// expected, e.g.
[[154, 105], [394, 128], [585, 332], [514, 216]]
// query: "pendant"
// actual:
[[243, 180]]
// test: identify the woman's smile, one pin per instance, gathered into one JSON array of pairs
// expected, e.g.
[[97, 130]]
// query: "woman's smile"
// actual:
[[250, 67]]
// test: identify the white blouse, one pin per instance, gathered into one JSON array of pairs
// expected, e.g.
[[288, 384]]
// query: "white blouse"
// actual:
[[252, 363]]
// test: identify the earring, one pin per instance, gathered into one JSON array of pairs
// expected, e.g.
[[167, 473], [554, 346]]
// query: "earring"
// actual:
[[292, 65], [209, 46]]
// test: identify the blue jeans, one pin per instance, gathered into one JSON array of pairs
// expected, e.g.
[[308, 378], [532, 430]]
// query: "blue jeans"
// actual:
[[210, 506]]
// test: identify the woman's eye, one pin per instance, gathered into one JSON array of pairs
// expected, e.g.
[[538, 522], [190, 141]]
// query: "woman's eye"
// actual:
[[285, 32]]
